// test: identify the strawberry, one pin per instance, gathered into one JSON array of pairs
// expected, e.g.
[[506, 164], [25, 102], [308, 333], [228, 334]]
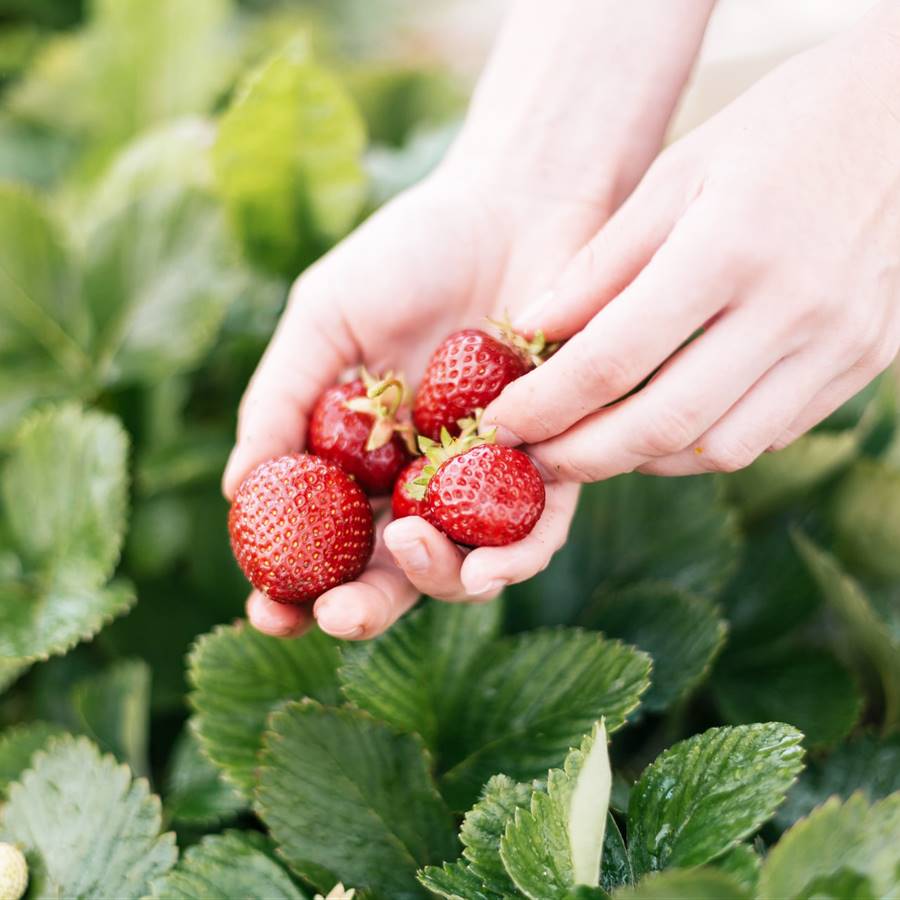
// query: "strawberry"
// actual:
[[478, 493], [467, 371], [402, 502], [355, 425], [300, 526]]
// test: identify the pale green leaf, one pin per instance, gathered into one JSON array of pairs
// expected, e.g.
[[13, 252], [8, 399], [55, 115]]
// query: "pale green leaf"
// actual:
[[836, 836], [196, 793], [866, 517], [694, 884], [91, 829], [777, 479], [681, 631], [845, 884], [239, 676], [864, 627], [556, 844], [160, 274], [230, 866], [288, 161], [113, 707], [532, 698], [10, 671], [866, 763], [347, 798], [707, 793], [805, 687], [416, 675], [742, 863], [18, 745], [635, 528]]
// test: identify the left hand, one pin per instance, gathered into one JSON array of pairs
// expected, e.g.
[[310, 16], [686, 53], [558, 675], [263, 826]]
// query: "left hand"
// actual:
[[775, 228]]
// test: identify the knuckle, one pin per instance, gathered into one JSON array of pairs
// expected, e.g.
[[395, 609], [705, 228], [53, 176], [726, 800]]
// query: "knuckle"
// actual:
[[668, 432], [728, 455], [604, 374]]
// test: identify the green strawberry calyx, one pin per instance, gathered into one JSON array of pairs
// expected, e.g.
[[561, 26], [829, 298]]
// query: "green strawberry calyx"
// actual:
[[385, 398], [536, 350], [438, 452]]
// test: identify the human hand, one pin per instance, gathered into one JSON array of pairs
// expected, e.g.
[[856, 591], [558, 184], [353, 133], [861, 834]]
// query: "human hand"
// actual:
[[775, 227]]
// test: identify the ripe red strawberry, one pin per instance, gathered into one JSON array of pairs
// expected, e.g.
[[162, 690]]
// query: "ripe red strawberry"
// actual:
[[300, 526], [467, 371], [402, 502], [478, 493], [355, 425]]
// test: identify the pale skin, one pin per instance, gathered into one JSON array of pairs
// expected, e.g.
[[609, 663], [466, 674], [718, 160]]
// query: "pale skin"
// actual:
[[775, 227]]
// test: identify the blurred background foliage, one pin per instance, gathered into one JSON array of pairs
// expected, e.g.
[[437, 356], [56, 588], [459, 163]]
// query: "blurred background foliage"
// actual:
[[166, 168]]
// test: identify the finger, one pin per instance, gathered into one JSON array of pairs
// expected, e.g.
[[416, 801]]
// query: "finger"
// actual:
[[366, 607], [429, 559], [755, 422], [487, 570], [694, 390], [277, 619], [307, 353], [831, 397], [612, 259], [675, 295]]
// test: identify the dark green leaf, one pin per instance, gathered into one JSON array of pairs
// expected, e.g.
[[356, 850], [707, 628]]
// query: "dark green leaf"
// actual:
[[532, 698], [805, 687], [457, 881], [93, 831], [345, 796], [18, 745], [706, 793], [416, 676], [228, 866], [742, 862], [682, 632], [837, 836], [114, 710], [239, 676]]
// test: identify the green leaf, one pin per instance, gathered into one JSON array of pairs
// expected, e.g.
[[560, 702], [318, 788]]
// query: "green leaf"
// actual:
[[18, 745], [288, 161], [557, 843], [681, 631], [706, 793], [196, 793], [457, 881], [837, 836], [866, 517], [239, 676], [742, 863], [775, 480], [844, 884], [532, 698], [803, 686], [344, 796], [160, 274], [865, 763], [416, 675], [864, 627], [66, 510], [483, 829], [42, 326], [133, 65], [10, 671], [695, 884], [228, 866], [114, 709], [635, 528], [91, 829]]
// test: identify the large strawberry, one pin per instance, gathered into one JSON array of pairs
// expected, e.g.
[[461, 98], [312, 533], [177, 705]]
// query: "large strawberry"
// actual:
[[467, 371], [299, 526], [403, 503], [356, 425], [479, 493]]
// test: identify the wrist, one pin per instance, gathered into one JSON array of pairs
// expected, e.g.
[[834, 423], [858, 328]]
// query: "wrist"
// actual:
[[576, 98]]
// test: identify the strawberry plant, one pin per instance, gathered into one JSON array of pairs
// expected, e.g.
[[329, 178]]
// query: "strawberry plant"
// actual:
[[700, 697]]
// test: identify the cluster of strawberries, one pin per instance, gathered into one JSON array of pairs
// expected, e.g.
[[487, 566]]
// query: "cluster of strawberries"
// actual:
[[302, 524]]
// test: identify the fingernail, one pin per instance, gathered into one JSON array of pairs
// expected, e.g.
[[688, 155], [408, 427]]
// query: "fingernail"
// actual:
[[342, 619], [412, 555], [531, 315], [505, 437], [491, 586]]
